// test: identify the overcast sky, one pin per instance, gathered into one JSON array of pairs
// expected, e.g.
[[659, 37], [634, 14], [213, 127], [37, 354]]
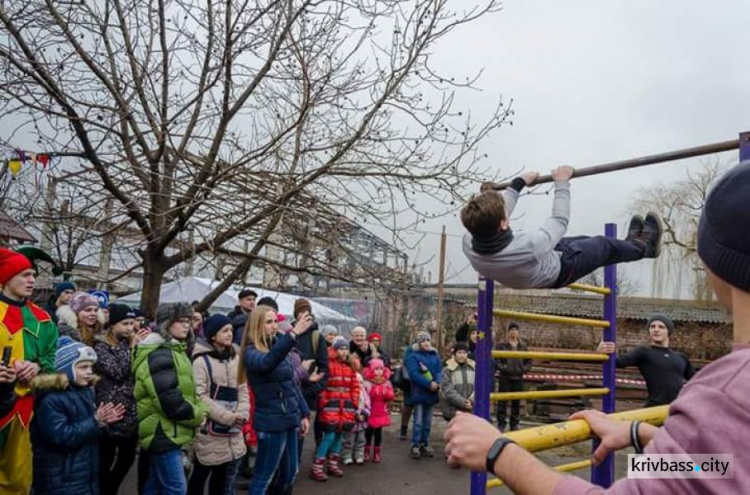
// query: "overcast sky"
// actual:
[[595, 82]]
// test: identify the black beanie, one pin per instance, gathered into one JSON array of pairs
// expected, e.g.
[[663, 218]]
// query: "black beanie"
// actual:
[[664, 319], [513, 325], [119, 312], [723, 234], [270, 302], [460, 346]]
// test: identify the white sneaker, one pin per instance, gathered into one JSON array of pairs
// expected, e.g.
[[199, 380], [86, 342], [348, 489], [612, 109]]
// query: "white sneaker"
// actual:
[[348, 461]]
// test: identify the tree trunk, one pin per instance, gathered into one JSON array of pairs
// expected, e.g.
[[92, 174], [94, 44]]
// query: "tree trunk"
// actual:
[[154, 268]]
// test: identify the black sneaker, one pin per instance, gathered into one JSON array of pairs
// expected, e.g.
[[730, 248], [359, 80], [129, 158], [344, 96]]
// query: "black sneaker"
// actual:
[[652, 231], [416, 453], [635, 228], [427, 451]]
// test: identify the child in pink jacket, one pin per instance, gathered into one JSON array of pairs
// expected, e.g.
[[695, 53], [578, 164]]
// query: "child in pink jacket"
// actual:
[[381, 393]]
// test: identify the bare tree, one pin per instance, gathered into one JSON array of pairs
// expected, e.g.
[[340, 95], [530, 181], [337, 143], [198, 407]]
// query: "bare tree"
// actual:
[[680, 205], [217, 116]]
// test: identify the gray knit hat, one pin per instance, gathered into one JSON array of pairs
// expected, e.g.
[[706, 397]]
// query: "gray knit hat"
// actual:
[[329, 330], [423, 337], [664, 319], [168, 313]]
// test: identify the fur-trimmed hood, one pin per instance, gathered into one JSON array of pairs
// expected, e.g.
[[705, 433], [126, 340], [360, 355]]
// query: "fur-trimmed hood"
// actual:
[[50, 382], [66, 316], [452, 364]]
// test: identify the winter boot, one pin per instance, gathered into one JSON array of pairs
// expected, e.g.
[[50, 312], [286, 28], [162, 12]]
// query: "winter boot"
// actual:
[[376, 457], [316, 473], [333, 466], [368, 453], [652, 228], [404, 433], [635, 228]]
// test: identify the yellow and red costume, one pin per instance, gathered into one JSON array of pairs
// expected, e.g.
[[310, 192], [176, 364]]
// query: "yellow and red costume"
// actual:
[[30, 332]]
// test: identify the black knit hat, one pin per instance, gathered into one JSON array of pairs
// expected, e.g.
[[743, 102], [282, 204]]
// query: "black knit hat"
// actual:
[[270, 302], [460, 346], [119, 312], [664, 319], [723, 235]]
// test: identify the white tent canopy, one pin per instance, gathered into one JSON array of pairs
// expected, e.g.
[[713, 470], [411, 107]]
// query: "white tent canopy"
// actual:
[[191, 289]]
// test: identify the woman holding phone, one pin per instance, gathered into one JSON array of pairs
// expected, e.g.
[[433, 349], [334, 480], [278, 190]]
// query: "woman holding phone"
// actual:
[[281, 413]]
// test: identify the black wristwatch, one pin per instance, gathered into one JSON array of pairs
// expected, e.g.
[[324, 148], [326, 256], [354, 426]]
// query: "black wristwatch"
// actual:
[[495, 451]]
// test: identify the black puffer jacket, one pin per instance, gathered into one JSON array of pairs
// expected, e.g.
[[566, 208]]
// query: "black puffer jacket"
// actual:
[[64, 435], [512, 369], [116, 384]]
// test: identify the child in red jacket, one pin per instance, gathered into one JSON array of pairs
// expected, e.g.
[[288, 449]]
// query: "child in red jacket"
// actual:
[[381, 393], [337, 408]]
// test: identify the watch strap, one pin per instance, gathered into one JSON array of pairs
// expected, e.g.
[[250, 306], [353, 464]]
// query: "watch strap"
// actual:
[[495, 451]]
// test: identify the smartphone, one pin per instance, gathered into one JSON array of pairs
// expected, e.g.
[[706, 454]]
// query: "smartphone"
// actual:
[[7, 350]]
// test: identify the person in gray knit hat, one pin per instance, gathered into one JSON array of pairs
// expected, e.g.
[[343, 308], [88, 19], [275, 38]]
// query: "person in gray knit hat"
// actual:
[[169, 410], [664, 370]]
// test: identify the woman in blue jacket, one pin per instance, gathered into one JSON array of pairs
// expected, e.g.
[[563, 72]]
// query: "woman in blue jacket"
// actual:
[[425, 373], [281, 413]]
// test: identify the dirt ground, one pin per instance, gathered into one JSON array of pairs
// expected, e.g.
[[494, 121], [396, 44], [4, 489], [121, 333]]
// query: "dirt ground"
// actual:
[[400, 474]]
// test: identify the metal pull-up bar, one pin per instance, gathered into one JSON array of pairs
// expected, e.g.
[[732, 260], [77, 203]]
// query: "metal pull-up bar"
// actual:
[[669, 156]]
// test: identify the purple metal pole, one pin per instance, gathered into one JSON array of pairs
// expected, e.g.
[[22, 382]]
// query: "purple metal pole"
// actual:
[[604, 474], [484, 376], [744, 146]]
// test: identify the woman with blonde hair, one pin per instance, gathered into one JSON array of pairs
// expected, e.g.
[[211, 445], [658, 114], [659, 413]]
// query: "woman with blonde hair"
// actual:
[[281, 413], [81, 319]]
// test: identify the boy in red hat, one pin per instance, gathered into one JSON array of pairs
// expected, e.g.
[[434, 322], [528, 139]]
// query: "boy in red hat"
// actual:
[[29, 331]]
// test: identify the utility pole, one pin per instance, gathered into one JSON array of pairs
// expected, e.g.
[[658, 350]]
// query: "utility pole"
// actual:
[[440, 293]]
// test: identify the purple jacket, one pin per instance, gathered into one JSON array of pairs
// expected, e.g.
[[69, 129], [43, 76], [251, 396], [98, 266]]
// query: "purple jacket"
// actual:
[[710, 416]]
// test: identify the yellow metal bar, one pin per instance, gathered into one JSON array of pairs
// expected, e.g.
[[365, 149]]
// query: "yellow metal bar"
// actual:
[[548, 394], [570, 432], [562, 468], [550, 356], [591, 288], [567, 320]]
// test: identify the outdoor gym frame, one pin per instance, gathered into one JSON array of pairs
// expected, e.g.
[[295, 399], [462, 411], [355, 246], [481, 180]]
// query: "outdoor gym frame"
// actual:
[[549, 436]]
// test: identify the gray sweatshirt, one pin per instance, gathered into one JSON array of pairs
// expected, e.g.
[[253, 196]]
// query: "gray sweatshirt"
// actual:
[[529, 261]]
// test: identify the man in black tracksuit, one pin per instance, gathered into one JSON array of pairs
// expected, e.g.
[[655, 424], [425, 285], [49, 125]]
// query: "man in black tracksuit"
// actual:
[[664, 370], [511, 376]]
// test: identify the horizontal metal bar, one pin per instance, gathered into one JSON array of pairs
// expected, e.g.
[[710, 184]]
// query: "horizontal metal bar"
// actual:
[[550, 356], [567, 320], [669, 156], [591, 288], [548, 394], [562, 468], [571, 432]]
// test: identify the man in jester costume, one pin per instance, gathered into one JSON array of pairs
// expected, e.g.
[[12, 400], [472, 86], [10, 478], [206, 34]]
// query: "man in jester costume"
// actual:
[[29, 331]]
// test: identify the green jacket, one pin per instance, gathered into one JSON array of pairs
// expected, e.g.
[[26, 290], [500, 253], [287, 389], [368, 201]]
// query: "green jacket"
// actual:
[[169, 410]]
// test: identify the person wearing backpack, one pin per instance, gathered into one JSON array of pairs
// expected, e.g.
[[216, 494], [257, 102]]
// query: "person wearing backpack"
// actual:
[[219, 443]]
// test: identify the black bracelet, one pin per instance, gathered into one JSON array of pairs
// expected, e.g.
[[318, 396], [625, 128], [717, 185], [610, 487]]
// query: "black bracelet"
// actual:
[[634, 437]]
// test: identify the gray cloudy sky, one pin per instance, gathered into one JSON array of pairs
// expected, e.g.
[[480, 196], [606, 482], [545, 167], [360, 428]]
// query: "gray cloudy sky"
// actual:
[[598, 81]]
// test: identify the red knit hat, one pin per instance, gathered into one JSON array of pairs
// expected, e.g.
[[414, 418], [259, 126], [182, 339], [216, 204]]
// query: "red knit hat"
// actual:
[[373, 336], [11, 264]]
